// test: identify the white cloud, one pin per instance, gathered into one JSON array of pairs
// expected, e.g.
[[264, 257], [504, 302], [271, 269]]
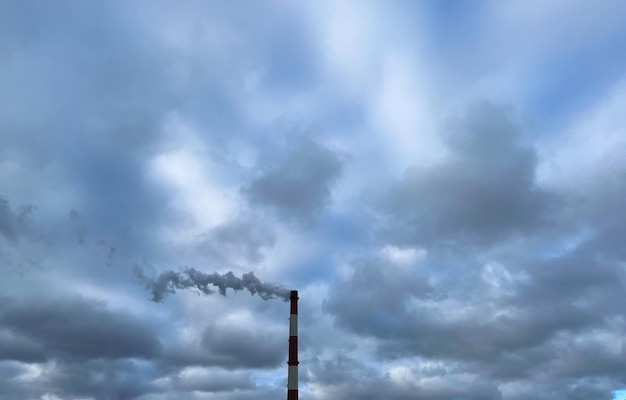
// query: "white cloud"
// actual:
[[202, 191], [589, 154], [404, 257], [402, 112], [377, 65]]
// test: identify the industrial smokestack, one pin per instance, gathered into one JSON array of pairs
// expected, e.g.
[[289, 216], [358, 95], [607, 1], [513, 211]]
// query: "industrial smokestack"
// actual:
[[292, 374]]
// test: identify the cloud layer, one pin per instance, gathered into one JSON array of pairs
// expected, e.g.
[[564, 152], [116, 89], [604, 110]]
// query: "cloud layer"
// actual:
[[442, 182]]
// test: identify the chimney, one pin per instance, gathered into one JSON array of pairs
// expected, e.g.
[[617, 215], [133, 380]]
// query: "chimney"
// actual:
[[292, 374]]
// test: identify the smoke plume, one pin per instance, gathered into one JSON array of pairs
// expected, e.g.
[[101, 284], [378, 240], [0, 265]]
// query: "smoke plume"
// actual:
[[189, 278]]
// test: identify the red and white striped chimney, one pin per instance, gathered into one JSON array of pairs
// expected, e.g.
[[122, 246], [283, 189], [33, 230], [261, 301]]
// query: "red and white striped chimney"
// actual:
[[292, 374]]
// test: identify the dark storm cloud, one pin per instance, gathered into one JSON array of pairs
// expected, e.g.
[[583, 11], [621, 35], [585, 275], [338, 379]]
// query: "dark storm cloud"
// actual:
[[232, 347], [71, 329], [244, 347], [13, 222], [483, 191], [211, 381], [87, 106], [372, 301], [569, 294], [261, 393], [78, 78], [79, 346], [102, 379], [583, 273], [541, 313], [544, 389], [118, 199], [599, 353], [14, 347], [299, 185], [338, 369], [244, 237], [97, 379], [384, 389], [11, 369], [10, 387], [556, 319], [346, 378]]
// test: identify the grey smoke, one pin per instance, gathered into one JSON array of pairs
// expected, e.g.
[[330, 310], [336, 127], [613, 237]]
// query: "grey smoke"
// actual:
[[111, 253], [189, 278], [79, 230]]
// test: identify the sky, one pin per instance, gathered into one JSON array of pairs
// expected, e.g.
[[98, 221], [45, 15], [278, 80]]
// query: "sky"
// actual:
[[442, 181]]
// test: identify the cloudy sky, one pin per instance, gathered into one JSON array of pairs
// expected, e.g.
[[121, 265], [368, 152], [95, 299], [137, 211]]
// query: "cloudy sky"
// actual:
[[443, 182]]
